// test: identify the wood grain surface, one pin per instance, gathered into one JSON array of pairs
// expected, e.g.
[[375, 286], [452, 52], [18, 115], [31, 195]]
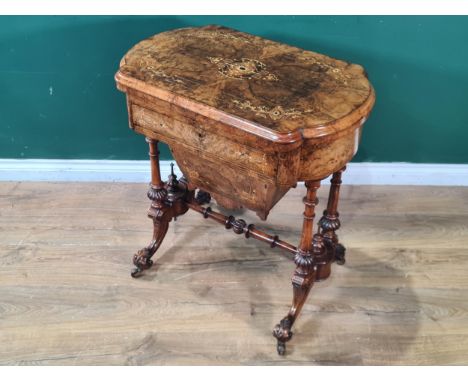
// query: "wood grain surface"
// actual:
[[66, 296], [274, 85], [245, 117]]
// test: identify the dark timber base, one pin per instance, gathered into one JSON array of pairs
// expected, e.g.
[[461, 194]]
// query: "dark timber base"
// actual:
[[313, 257]]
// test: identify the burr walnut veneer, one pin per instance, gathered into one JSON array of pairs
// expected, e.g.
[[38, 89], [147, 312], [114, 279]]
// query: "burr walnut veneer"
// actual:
[[246, 119]]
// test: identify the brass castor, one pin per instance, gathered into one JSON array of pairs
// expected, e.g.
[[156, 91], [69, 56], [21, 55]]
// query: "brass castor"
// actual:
[[340, 252], [281, 348]]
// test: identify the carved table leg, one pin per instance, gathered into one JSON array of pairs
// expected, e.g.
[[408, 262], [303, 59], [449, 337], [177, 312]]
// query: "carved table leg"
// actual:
[[168, 200], [330, 221], [310, 249]]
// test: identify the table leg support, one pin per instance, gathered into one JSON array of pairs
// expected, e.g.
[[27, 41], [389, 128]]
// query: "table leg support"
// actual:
[[330, 222], [142, 259], [311, 249], [167, 202]]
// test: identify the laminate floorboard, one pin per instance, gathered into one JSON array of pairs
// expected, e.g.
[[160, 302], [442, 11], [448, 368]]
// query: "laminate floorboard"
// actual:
[[213, 297]]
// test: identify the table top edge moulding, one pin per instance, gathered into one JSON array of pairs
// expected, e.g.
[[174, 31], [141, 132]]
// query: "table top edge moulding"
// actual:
[[246, 119]]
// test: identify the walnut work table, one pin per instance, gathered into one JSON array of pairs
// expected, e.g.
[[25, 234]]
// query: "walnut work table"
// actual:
[[246, 119]]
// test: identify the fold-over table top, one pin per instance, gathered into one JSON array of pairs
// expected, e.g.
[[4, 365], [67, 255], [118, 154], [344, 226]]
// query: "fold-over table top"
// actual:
[[263, 83]]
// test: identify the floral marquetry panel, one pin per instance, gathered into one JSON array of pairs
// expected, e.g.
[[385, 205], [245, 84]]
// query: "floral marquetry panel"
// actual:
[[276, 87]]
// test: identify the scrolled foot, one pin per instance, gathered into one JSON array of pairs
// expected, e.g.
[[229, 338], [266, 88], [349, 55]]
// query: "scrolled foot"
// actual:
[[142, 261], [340, 252], [282, 332]]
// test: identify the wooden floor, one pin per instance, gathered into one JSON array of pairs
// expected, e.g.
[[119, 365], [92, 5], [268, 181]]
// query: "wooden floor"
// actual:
[[66, 296]]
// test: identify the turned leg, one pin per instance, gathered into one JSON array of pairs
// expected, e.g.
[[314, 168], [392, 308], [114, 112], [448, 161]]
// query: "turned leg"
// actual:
[[167, 202], [310, 249], [330, 221]]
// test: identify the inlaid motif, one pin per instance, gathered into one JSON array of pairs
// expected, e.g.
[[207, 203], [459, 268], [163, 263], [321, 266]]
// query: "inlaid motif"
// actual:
[[158, 74], [244, 68], [274, 113], [335, 72], [216, 34]]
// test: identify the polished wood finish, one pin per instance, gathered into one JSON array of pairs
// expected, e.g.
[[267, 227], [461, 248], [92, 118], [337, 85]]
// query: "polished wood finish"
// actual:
[[212, 299], [246, 119], [239, 226], [330, 223], [267, 113], [311, 249], [167, 202], [261, 87]]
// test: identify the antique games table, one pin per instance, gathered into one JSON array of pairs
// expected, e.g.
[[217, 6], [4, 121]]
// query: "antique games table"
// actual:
[[246, 119]]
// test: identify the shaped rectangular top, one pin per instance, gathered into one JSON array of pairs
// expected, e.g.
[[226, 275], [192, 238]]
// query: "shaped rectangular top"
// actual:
[[268, 88]]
